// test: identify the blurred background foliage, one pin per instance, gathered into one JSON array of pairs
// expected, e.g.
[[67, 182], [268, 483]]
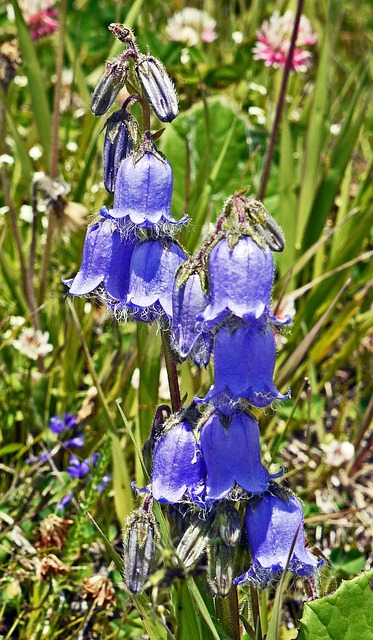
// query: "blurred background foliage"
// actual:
[[319, 190]]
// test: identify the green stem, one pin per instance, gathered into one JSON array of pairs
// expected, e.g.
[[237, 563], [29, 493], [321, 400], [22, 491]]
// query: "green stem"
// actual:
[[227, 612], [256, 613], [280, 104], [173, 380]]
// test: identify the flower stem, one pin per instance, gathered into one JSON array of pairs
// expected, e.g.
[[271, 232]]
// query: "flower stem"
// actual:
[[227, 612], [256, 613], [280, 104], [173, 380]]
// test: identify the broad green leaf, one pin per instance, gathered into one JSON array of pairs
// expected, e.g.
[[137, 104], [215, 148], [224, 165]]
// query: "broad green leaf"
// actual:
[[347, 614], [36, 84]]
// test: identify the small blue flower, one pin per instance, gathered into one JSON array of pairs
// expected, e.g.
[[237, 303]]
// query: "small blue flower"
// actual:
[[143, 189], [106, 259], [240, 282], [77, 441], [78, 469], [58, 424], [244, 362], [178, 466], [153, 267], [65, 500], [232, 456], [104, 483], [271, 527]]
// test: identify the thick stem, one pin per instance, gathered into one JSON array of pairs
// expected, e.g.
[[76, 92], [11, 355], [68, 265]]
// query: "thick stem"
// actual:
[[173, 380], [256, 613], [280, 104], [227, 612]]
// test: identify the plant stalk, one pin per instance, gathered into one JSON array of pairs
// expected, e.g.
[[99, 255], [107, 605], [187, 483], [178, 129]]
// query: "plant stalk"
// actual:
[[173, 380], [227, 612], [280, 104]]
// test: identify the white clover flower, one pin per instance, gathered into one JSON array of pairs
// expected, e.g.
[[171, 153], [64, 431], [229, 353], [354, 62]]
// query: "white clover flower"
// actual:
[[338, 453], [26, 213], [36, 152], [191, 26], [32, 343]]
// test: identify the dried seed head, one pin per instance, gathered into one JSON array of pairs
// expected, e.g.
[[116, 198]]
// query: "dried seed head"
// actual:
[[139, 548]]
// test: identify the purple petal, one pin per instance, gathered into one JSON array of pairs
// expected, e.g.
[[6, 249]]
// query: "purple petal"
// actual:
[[57, 425], [77, 442], [153, 268], [271, 528], [244, 362], [189, 300], [178, 466], [232, 456], [240, 282], [95, 260]]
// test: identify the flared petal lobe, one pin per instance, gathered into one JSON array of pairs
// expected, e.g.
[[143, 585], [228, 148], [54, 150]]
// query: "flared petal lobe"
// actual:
[[178, 466], [143, 191], [153, 267], [240, 282], [232, 456], [244, 362], [271, 527]]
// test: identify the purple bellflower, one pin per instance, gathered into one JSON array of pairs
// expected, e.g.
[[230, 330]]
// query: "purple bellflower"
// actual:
[[117, 146], [189, 300], [106, 261], [152, 274], [271, 527], [240, 281], [178, 466], [244, 362], [232, 456], [143, 189]]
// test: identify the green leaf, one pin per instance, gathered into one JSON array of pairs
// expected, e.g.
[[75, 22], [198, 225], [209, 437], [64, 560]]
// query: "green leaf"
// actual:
[[36, 84], [347, 614]]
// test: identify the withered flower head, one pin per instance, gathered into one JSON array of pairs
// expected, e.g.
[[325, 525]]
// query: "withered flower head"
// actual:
[[101, 590], [10, 60], [68, 215], [50, 564], [52, 532]]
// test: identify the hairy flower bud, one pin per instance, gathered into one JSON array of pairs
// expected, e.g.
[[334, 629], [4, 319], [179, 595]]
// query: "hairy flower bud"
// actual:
[[119, 133], [220, 567], [108, 86], [138, 548], [228, 525], [158, 88], [194, 541]]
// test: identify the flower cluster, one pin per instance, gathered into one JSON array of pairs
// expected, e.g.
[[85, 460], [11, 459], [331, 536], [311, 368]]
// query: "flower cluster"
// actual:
[[209, 454], [191, 26], [130, 257], [274, 39], [40, 16]]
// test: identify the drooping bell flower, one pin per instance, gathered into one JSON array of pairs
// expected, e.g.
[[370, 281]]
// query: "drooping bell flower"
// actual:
[[189, 300], [158, 87], [232, 456], [152, 274], [143, 189], [106, 261], [178, 466], [271, 527], [240, 282], [117, 145], [244, 362]]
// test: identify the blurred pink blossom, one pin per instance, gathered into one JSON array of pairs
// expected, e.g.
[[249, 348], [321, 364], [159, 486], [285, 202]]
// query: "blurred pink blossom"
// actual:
[[274, 39], [40, 17], [190, 26]]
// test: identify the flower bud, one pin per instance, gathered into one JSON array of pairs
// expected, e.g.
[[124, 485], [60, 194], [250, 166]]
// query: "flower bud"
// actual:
[[108, 86], [121, 128], [138, 548], [228, 525], [158, 88], [220, 567], [194, 541]]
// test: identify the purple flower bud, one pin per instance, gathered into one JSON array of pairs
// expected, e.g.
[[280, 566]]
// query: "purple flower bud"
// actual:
[[57, 425], [271, 528], [138, 548], [117, 145], [108, 86], [65, 500], [244, 362], [232, 456], [143, 189], [178, 466], [195, 539], [158, 88], [77, 469], [106, 260], [69, 420], [240, 280], [77, 442], [220, 561], [153, 267]]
